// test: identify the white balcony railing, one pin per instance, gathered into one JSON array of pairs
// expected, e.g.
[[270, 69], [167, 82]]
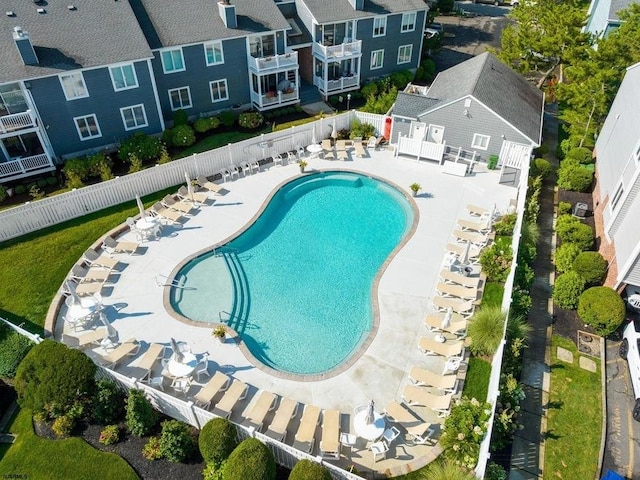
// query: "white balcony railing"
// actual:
[[17, 121], [347, 49], [274, 62], [336, 86], [16, 167], [273, 100]]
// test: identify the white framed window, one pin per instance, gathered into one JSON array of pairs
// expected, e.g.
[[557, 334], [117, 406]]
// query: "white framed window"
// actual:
[[404, 53], [481, 142], [172, 61], [379, 26], [87, 127], [219, 90], [134, 117], [616, 197], [377, 59], [408, 22], [123, 77], [213, 53], [73, 85], [180, 98]]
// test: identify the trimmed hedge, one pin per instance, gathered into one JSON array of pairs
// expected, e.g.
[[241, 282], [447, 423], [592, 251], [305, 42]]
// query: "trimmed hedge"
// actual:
[[565, 255], [141, 417], [572, 230], [573, 176], [567, 290], [217, 440], [602, 308], [591, 266], [581, 154], [142, 146], [308, 470], [251, 460], [13, 348], [176, 441]]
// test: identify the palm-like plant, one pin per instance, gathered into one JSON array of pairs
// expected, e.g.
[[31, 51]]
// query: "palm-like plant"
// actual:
[[485, 330]]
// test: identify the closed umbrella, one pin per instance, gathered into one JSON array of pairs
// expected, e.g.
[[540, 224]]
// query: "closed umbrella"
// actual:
[[71, 289], [313, 134], [446, 321], [464, 258], [143, 214], [111, 332], [334, 132], [370, 418], [177, 354], [189, 186]]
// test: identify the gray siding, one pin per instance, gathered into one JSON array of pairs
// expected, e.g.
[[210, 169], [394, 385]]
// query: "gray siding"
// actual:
[[598, 18], [57, 112], [305, 16], [626, 237], [400, 126], [633, 277], [198, 75]]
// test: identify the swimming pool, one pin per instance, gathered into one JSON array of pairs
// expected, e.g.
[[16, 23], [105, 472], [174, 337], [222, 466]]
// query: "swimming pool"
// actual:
[[297, 284]]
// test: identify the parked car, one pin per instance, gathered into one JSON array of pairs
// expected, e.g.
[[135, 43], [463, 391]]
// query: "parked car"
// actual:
[[433, 29], [513, 3], [630, 350]]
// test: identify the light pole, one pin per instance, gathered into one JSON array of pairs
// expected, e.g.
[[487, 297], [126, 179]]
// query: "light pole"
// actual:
[[348, 100]]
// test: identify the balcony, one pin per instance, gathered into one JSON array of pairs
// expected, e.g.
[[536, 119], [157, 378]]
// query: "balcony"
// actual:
[[344, 50], [341, 84], [17, 121], [268, 101], [21, 167], [274, 62]]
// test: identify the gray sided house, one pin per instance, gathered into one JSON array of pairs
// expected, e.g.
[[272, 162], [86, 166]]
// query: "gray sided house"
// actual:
[[616, 196], [477, 109], [603, 16], [75, 78], [212, 55]]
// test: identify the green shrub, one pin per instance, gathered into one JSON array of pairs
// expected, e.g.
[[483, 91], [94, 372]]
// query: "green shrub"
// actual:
[[52, 181], [401, 78], [564, 208], [429, 67], [525, 276], [151, 449], [141, 416], [228, 118], [419, 76], [574, 177], [485, 330], [213, 471], [42, 183], [203, 125], [521, 302], [565, 255], [36, 193], [13, 348], [251, 460], [567, 290], [571, 230], [602, 308], [109, 435], [176, 441], [308, 470], [145, 147], [182, 136], [504, 225], [76, 170], [108, 402], [20, 189], [217, 440], [363, 130], [496, 260], [164, 156], [52, 373], [382, 102], [250, 119], [370, 89], [591, 266], [63, 426], [167, 137], [507, 418], [445, 469], [180, 117], [136, 163], [464, 430], [495, 471], [445, 6], [581, 154], [542, 168]]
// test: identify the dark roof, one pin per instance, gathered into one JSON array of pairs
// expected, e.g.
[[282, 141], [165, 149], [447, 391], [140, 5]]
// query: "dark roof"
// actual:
[[412, 105], [329, 11], [616, 6], [492, 83], [168, 23], [96, 32]]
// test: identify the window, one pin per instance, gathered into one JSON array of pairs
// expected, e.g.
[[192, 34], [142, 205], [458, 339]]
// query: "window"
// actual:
[[213, 53], [172, 61], [262, 46], [73, 86], [379, 26], [133, 117], [123, 77], [480, 141], [408, 22], [404, 54], [87, 127], [616, 197], [377, 59], [219, 90], [180, 98]]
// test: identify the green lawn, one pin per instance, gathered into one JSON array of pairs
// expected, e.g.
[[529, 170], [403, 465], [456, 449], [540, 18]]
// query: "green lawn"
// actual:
[[220, 140], [492, 295], [575, 416], [476, 383], [37, 458]]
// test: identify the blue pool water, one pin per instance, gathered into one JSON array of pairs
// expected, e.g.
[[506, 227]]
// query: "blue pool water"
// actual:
[[297, 283]]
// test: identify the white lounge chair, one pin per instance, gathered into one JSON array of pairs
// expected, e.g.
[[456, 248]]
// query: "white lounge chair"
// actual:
[[457, 305], [419, 431], [477, 211], [254, 165], [212, 187], [476, 238], [255, 413], [93, 337], [236, 392], [424, 377], [166, 214], [100, 260], [457, 291], [435, 322], [305, 436], [234, 171], [125, 349], [148, 358], [459, 251], [277, 159], [217, 383], [181, 206], [110, 245], [342, 155], [379, 450], [453, 277], [482, 226], [359, 149], [441, 404], [91, 274], [330, 440], [287, 410], [448, 349], [196, 196]]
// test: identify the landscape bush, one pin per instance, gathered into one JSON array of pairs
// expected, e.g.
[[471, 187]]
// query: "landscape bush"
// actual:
[[167, 137], [542, 168], [182, 136], [496, 260], [52, 374], [401, 78], [591, 266], [445, 469], [109, 435], [308, 470], [203, 125], [567, 290], [108, 402], [13, 348], [602, 308], [79, 169], [521, 302], [135, 163], [151, 449], [250, 119], [571, 230], [251, 460], [180, 117], [164, 156], [525, 276], [228, 118], [217, 440], [495, 471], [507, 417], [581, 154], [369, 89], [362, 130], [505, 224], [463, 431], [564, 208], [177, 443], [141, 417], [565, 255], [485, 330], [63, 425], [573, 176], [144, 146]]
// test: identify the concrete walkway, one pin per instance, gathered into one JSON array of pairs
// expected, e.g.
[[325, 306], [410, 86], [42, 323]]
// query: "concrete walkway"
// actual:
[[527, 455]]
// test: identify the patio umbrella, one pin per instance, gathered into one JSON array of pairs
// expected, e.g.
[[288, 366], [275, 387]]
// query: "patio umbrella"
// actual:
[[464, 258], [446, 321], [313, 134], [334, 132], [370, 418], [189, 186], [140, 207], [177, 354], [111, 332]]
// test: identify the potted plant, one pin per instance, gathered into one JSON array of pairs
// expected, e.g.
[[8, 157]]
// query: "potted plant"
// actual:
[[302, 164], [415, 188], [220, 332]]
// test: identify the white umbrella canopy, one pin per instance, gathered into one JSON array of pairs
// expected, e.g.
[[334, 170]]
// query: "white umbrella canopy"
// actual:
[[370, 418], [71, 290], [464, 258], [313, 135], [177, 354], [140, 207], [446, 321], [334, 132], [189, 186]]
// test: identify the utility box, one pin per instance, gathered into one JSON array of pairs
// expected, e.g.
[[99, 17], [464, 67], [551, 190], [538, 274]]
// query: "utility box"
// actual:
[[493, 162], [580, 210]]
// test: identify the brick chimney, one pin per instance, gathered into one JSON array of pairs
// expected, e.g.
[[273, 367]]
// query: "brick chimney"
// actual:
[[24, 46], [228, 14]]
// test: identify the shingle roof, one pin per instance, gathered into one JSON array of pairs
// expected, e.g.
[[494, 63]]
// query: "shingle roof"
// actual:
[[171, 22], [328, 11], [494, 84], [412, 105], [97, 32], [616, 6]]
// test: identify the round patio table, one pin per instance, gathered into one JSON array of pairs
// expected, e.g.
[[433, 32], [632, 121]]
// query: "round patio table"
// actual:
[[184, 368], [148, 226], [314, 149], [371, 431]]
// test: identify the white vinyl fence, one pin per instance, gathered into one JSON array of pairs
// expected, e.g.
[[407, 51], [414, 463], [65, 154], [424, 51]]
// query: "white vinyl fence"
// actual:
[[50, 211], [31, 336]]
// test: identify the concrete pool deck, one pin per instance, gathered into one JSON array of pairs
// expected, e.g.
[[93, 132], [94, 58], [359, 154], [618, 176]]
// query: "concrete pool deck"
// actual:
[[135, 302]]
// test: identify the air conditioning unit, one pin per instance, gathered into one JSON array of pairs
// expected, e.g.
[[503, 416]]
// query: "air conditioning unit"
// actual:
[[580, 210]]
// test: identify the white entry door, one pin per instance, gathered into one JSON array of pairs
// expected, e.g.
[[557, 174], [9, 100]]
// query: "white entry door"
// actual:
[[435, 134], [418, 130]]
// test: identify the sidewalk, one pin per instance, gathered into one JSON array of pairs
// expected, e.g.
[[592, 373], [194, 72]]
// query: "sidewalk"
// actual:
[[527, 455]]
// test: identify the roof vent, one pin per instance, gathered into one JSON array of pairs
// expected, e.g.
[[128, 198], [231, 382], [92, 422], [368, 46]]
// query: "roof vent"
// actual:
[[24, 46], [71, 7], [10, 14], [41, 10], [228, 14]]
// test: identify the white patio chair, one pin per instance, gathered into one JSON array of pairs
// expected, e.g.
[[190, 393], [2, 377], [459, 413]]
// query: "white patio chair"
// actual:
[[379, 450], [182, 384], [235, 171], [277, 159], [390, 434], [225, 173], [202, 368], [131, 223], [245, 168], [254, 165], [291, 157]]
